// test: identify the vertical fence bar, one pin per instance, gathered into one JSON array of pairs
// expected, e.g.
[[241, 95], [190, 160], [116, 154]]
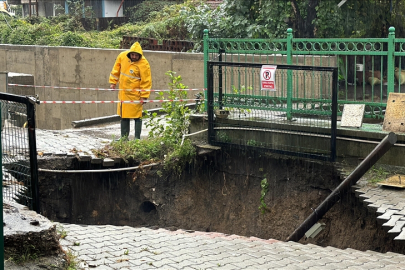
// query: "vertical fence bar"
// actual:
[[289, 74], [390, 61], [333, 134], [205, 48], [220, 102], [210, 97], [3, 84], [33, 155]]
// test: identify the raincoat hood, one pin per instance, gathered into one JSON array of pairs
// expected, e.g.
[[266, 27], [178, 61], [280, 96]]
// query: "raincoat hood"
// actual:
[[135, 48]]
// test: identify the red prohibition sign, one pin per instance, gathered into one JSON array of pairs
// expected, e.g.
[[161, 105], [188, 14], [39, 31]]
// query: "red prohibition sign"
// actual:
[[267, 75]]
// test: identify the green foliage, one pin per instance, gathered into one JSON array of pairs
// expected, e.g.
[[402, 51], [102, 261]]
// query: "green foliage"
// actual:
[[329, 21], [176, 113], [177, 160], [61, 231], [222, 136], [165, 141], [152, 149], [376, 175], [72, 39], [71, 260], [265, 188], [238, 19], [232, 18], [141, 12], [30, 253]]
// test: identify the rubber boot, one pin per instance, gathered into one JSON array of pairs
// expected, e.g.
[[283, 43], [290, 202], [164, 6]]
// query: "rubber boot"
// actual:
[[138, 128], [124, 128]]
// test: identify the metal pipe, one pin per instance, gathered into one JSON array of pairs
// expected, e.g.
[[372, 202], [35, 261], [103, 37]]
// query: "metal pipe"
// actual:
[[99, 171], [118, 11], [327, 204]]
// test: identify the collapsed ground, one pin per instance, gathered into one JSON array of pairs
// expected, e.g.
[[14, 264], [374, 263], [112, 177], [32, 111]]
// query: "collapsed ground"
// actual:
[[221, 192]]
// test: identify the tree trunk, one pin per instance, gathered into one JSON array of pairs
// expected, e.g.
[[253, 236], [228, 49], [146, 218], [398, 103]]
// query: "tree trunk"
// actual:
[[305, 27]]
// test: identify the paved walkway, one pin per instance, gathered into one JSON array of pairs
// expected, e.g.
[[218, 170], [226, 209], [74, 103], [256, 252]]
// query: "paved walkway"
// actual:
[[114, 247]]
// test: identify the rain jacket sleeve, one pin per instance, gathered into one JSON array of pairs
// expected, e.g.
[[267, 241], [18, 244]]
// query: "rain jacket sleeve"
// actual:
[[115, 73], [146, 80]]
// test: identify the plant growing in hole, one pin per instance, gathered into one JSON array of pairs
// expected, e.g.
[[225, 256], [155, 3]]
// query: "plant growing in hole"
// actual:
[[72, 264], [376, 175], [176, 112], [223, 137], [30, 253], [252, 143], [265, 187], [61, 231], [164, 141], [126, 252]]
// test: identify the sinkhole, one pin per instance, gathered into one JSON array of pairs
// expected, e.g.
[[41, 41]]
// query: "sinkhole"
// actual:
[[225, 192]]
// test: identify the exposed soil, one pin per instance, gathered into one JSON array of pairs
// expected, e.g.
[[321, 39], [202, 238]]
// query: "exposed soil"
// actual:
[[220, 192]]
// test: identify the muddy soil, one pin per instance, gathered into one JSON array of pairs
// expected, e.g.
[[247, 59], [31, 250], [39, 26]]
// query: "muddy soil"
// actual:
[[219, 192]]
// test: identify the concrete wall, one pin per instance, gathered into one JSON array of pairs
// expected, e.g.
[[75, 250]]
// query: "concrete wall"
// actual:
[[88, 68]]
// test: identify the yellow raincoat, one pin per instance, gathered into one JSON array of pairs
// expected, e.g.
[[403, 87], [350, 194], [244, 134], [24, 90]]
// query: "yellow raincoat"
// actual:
[[131, 76]]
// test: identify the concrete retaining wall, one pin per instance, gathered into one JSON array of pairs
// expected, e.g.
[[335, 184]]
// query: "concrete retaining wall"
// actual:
[[88, 68]]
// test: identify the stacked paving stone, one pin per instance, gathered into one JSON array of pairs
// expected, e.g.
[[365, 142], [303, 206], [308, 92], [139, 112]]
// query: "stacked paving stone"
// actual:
[[389, 206]]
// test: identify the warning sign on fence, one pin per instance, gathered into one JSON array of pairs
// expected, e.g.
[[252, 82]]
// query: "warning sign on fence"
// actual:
[[268, 77]]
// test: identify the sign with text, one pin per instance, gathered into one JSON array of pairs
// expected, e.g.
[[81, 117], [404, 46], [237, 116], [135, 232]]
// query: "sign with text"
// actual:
[[268, 77]]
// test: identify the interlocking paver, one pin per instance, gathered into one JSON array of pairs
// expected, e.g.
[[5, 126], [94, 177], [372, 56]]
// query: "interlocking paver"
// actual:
[[270, 255]]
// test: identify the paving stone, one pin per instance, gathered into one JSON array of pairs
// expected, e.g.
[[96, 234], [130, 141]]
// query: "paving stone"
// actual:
[[392, 221], [401, 236], [384, 207], [387, 215]]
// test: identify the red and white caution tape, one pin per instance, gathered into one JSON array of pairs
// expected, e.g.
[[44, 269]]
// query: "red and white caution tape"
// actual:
[[107, 89], [114, 101]]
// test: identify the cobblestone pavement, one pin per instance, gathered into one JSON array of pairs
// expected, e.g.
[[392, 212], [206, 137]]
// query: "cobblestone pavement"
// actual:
[[115, 247]]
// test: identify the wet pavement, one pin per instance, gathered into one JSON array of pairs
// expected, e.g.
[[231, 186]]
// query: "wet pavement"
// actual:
[[123, 247], [115, 247]]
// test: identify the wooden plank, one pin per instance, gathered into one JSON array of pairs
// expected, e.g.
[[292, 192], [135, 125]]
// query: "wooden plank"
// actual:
[[397, 181]]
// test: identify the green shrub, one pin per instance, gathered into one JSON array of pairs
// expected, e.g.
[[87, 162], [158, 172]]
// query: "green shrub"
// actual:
[[141, 12]]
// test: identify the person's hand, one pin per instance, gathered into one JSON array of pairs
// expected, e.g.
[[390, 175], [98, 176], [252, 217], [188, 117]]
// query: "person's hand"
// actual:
[[112, 86], [143, 99]]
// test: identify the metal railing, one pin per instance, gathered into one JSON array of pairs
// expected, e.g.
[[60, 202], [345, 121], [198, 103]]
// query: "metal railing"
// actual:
[[284, 121], [368, 69], [19, 155]]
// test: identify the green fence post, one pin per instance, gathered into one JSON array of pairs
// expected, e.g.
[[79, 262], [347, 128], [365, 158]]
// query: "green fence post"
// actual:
[[390, 60], [289, 74], [205, 48]]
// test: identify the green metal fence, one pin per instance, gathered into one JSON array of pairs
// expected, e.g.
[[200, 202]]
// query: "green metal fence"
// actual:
[[369, 69]]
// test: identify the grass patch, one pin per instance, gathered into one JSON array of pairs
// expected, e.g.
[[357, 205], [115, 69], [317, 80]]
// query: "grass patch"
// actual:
[[376, 175]]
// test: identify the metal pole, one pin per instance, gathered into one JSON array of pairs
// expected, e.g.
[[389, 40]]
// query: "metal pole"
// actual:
[[327, 204], [206, 58], [33, 155], [1, 182], [220, 102], [289, 74], [210, 105]]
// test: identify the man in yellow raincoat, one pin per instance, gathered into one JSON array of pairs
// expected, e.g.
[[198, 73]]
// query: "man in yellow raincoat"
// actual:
[[132, 72]]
